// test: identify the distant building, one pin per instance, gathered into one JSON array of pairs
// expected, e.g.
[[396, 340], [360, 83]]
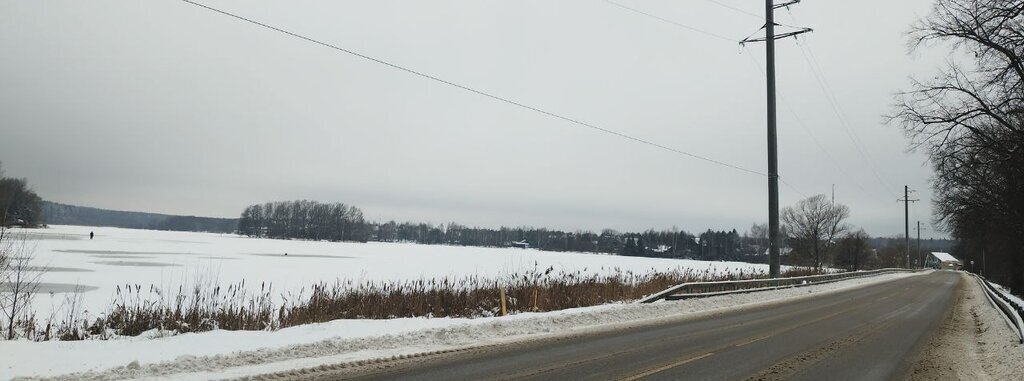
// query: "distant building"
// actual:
[[782, 251], [17, 222], [942, 261], [521, 244]]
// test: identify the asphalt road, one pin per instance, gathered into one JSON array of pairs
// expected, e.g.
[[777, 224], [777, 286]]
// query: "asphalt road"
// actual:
[[868, 333]]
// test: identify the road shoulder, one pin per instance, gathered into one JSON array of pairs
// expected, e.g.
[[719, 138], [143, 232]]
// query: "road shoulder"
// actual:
[[464, 338], [973, 343]]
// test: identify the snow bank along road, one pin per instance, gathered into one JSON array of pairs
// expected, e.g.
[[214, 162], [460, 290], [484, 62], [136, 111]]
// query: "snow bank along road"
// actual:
[[231, 354], [875, 332]]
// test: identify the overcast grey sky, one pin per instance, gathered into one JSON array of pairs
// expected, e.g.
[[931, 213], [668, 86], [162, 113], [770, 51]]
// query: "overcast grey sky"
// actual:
[[165, 107]]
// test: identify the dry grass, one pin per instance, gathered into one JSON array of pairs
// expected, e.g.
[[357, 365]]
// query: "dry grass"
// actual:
[[793, 272], [536, 290], [137, 310], [204, 307]]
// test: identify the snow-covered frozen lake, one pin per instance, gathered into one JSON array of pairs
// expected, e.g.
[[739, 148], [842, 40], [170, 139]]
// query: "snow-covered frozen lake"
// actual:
[[170, 259]]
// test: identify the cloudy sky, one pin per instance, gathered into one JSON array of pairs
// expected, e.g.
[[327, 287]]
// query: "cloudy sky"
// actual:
[[163, 106]]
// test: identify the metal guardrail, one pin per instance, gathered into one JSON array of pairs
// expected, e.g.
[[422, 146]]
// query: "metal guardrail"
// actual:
[[1012, 311], [705, 289]]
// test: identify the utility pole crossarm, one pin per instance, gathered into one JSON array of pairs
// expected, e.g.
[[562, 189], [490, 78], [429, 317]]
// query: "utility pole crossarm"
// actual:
[[786, 4], [906, 219], [778, 36]]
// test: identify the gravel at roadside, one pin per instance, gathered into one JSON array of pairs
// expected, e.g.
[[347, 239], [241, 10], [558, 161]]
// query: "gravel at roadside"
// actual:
[[974, 343]]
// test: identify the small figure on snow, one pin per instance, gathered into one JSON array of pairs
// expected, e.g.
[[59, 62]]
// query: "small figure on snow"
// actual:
[[90, 235]]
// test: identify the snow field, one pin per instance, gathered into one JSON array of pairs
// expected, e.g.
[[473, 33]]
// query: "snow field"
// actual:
[[168, 260]]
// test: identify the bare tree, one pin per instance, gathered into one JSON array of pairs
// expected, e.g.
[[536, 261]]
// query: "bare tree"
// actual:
[[814, 224], [19, 204], [970, 121], [19, 279], [759, 234], [853, 250]]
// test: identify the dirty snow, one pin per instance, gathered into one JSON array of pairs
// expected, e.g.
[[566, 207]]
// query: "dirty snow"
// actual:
[[975, 343]]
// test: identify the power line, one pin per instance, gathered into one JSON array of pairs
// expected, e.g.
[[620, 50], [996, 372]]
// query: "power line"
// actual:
[[676, 23], [807, 130], [754, 15], [819, 75], [659, 18], [790, 186], [793, 188], [472, 90], [727, 6], [800, 123], [828, 86], [834, 105]]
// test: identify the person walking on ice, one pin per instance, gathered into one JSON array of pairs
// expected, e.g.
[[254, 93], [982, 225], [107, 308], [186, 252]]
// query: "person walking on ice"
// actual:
[[90, 235]]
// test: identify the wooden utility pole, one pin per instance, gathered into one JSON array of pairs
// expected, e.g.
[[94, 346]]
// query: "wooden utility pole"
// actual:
[[774, 260], [920, 254], [906, 219]]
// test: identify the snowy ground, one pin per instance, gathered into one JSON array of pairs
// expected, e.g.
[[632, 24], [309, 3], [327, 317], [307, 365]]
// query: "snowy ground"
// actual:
[[224, 354], [1006, 292], [170, 259], [975, 343]]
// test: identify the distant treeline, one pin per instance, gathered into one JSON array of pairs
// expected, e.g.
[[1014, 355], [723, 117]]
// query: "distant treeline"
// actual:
[[340, 222], [669, 244], [19, 204], [304, 220], [61, 214]]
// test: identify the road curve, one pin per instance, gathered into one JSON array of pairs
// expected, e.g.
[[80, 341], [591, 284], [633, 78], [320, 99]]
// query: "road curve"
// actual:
[[868, 333]]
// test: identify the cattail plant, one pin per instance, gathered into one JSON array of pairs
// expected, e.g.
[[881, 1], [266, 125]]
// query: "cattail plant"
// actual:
[[208, 305]]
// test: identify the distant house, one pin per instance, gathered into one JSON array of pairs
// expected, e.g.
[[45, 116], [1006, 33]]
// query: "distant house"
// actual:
[[942, 261], [661, 249], [521, 244], [17, 222], [782, 251]]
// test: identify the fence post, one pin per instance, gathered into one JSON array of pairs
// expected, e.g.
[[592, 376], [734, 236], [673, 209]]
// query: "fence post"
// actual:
[[503, 310], [535, 309]]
